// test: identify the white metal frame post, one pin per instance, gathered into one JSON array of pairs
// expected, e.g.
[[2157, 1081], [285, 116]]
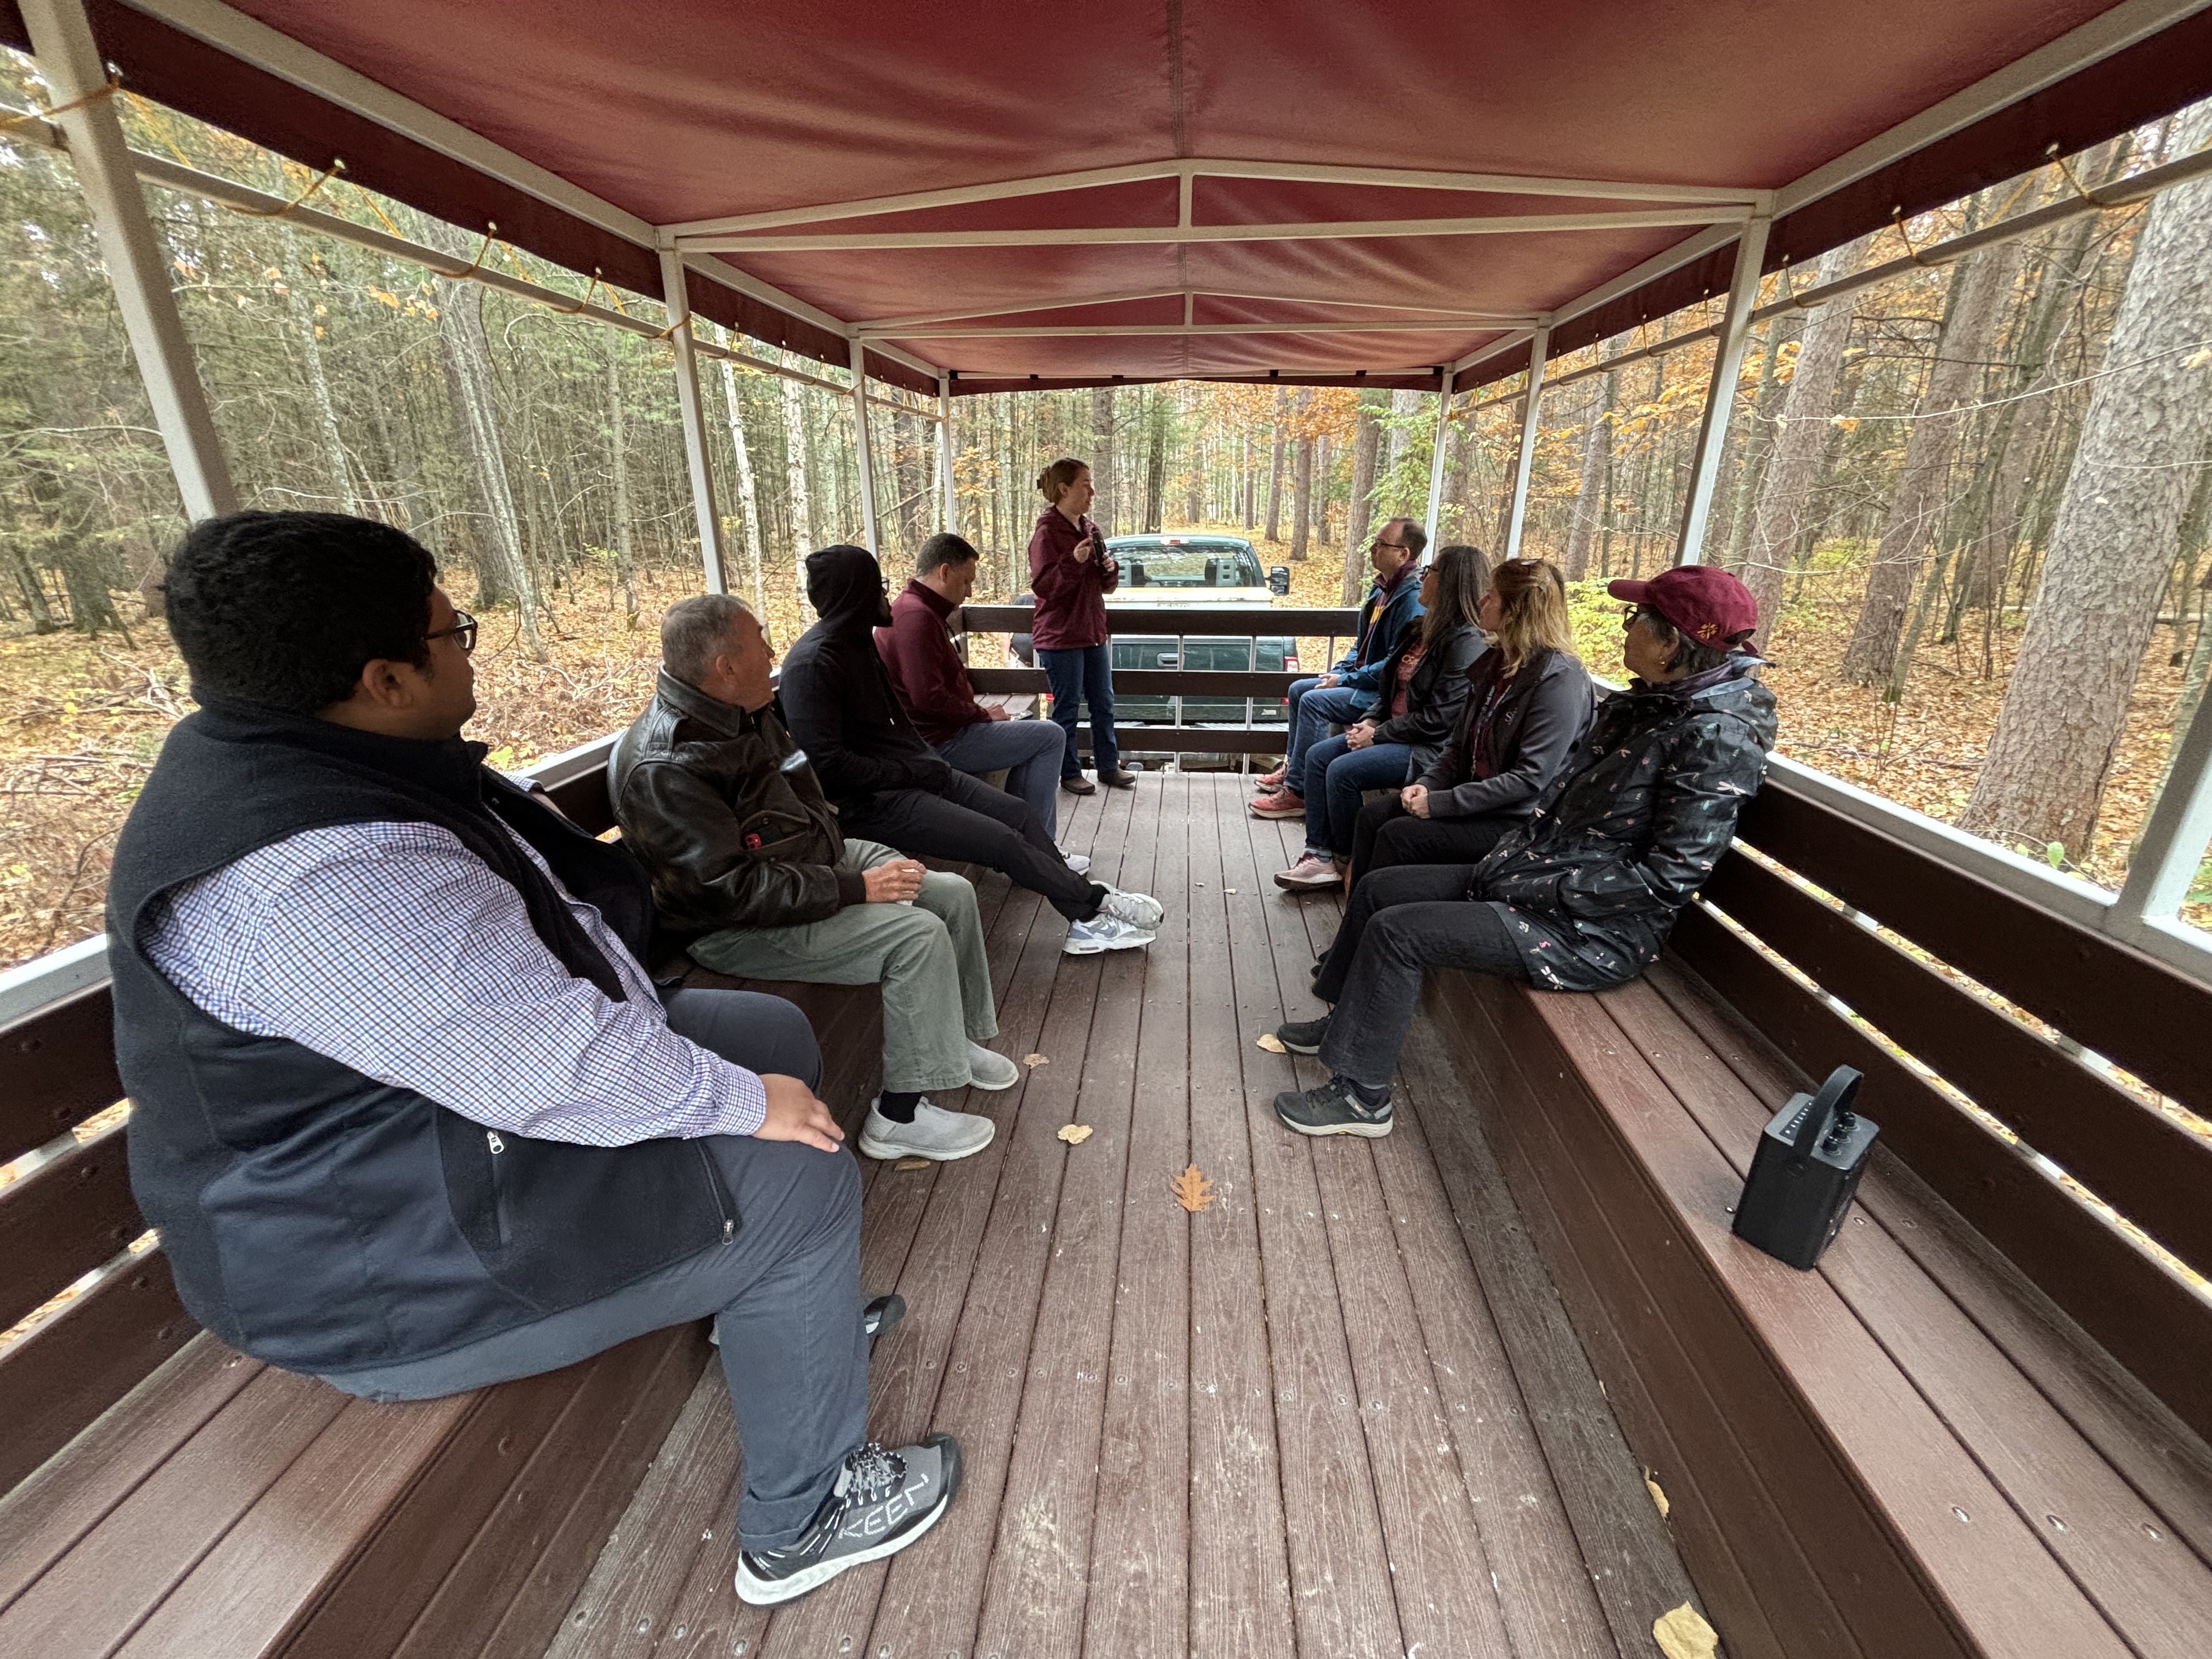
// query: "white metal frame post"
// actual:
[[1539, 344], [862, 452], [2175, 836], [1720, 395], [137, 268], [944, 453], [1437, 459], [696, 456]]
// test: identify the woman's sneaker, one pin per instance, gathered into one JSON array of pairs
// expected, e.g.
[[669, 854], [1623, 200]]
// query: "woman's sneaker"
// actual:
[[1139, 910], [1104, 931], [1268, 782], [1334, 1108], [883, 1502], [989, 1070], [1280, 805], [935, 1134], [1310, 872]]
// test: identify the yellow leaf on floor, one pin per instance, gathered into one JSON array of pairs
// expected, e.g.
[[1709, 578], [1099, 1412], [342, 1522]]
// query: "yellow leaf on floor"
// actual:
[[1658, 1497], [1075, 1133], [1229, 890], [1192, 1190], [911, 1164], [1683, 1634], [1034, 1060], [1272, 1043]]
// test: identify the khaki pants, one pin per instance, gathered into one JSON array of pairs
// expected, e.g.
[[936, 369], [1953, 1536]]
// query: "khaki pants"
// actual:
[[928, 956]]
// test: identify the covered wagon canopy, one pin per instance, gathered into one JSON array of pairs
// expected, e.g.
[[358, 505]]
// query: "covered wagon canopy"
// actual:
[[992, 196]]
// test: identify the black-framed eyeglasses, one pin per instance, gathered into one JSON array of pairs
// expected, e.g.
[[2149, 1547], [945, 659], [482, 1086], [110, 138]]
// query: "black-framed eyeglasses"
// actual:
[[1395, 547], [1629, 613], [463, 631]]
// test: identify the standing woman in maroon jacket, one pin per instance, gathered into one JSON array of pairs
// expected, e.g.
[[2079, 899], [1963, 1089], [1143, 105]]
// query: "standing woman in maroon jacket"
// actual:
[[1071, 573]]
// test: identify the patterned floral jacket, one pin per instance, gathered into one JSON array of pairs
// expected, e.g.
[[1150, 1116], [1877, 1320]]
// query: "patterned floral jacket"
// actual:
[[1636, 820]]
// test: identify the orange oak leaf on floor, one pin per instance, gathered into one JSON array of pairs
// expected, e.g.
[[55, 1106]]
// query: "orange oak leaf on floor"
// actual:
[[1036, 1060], [1075, 1133], [1192, 1190]]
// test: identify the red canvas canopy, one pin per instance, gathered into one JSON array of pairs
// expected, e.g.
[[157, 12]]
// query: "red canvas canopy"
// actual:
[[1393, 148]]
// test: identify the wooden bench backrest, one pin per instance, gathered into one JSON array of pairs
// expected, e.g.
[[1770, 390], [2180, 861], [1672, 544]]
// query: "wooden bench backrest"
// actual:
[[2151, 1168], [74, 1215]]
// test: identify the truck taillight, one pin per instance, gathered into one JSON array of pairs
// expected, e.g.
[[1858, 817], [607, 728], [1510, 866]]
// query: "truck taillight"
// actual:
[[1291, 663]]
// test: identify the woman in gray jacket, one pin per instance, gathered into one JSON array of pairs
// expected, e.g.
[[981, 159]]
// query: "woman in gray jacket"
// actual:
[[1529, 701]]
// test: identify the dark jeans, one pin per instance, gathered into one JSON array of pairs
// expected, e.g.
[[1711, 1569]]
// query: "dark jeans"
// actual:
[[1400, 922], [784, 1292], [1077, 677], [969, 820], [1336, 777], [1387, 834]]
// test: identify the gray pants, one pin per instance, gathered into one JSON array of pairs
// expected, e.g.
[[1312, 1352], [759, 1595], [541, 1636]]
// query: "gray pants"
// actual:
[[928, 956], [784, 1294]]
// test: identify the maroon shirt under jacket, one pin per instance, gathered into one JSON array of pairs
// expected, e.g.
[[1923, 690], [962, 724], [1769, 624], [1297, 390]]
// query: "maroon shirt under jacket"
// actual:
[[932, 681]]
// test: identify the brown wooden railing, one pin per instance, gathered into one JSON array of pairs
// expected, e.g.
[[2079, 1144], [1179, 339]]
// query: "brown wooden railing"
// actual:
[[1210, 621]]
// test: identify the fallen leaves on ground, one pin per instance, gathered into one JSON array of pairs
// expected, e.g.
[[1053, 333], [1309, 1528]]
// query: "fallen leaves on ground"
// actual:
[[1075, 1133], [1658, 1496], [1682, 1633], [1192, 1190], [1034, 1060], [911, 1164], [1272, 1043]]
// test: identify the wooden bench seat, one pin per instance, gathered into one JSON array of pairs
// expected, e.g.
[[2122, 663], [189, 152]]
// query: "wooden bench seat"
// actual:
[[1919, 1448]]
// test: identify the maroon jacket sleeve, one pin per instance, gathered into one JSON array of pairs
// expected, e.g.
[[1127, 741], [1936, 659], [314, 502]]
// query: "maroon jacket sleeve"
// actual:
[[927, 672]]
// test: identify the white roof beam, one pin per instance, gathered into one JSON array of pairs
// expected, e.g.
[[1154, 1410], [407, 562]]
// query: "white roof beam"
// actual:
[[1116, 235]]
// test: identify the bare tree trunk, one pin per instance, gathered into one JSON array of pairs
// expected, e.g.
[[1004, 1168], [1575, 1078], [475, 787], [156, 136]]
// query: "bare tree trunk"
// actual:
[[1589, 504], [1758, 442], [298, 268], [1155, 463], [2116, 534], [1278, 454], [801, 506], [748, 488], [1324, 473], [618, 454], [1366, 447], [1301, 489], [1102, 458], [1924, 494], [467, 357], [1801, 437]]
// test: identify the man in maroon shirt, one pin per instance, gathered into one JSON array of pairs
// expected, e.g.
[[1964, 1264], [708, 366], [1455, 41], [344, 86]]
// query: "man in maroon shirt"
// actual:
[[932, 682]]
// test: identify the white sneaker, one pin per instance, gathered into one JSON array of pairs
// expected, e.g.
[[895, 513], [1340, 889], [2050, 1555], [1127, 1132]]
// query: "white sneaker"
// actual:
[[935, 1134], [1079, 862], [1139, 910], [1103, 931], [1310, 872], [988, 1070]]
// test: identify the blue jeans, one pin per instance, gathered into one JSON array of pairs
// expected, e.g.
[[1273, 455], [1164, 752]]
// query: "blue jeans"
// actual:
[[1076, 677], [1335, 776], [1031, 752], [1314, 708]]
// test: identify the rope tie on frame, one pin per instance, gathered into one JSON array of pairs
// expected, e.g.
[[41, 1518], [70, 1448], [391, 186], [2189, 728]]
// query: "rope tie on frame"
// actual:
[[114, 85], [1897, 220], [337, 166]]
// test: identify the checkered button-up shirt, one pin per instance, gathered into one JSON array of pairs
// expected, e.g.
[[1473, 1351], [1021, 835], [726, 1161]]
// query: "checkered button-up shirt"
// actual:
[[393, 949]]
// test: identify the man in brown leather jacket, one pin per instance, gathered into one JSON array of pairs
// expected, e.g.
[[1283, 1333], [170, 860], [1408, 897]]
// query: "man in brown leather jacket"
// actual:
[[725, 814]]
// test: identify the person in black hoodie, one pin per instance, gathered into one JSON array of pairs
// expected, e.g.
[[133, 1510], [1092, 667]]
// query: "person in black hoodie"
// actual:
[[405, 1108], [1582, 896], [892, 787]]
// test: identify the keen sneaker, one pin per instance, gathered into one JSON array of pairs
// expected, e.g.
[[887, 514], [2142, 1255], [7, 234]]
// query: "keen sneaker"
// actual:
[[1104, 931], [1334, 1108], [1139, 910], [988, 1070], [883, 1502], [1303, 1036], [935, 1134]]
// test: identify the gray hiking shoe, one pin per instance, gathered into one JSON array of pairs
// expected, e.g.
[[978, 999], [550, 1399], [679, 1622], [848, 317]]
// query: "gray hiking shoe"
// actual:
[[1333, 1109], [883, 1502]]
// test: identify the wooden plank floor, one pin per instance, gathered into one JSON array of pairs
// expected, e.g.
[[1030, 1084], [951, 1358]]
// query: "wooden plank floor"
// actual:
[[1340, 1412]]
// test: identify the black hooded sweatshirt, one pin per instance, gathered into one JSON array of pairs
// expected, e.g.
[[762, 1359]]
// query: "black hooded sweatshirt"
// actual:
[[837, 696]]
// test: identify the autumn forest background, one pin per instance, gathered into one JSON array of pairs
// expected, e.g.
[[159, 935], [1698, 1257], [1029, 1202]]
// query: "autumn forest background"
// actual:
[[1974, 497]]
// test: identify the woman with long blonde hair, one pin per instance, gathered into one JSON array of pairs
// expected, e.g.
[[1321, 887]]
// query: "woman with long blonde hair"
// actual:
[[1527, 701]]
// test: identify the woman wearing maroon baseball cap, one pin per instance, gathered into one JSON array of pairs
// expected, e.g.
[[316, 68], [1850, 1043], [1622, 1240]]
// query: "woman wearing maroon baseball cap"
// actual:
[[1580, 897]]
